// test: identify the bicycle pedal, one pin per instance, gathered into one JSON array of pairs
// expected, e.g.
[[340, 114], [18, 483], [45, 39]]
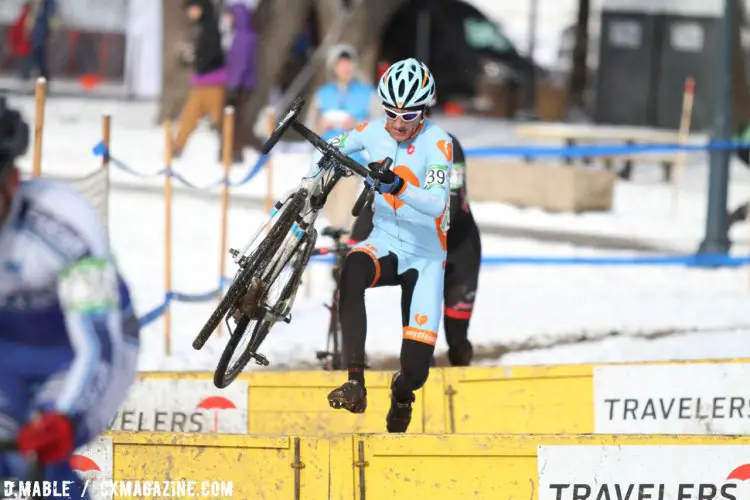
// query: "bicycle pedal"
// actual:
[[260, 359]]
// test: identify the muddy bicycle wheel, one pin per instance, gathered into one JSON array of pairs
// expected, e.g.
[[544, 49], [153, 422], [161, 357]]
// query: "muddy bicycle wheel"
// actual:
[[228, 367], [260, 257]]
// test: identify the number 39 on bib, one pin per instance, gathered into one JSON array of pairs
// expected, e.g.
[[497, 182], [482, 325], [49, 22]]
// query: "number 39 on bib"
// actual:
[[437, 175]]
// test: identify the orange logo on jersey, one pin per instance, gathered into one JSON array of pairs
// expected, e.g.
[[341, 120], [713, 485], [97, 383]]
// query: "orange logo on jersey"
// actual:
[[446, 148], [421, 319], [407, 175], [360, 127]]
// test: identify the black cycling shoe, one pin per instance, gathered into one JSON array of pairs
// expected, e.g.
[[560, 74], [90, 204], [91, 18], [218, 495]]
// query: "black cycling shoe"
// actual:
[[399, 415], [352, 396]]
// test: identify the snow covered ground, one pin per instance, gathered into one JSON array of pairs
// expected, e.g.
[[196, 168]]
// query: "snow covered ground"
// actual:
[[526, 310]]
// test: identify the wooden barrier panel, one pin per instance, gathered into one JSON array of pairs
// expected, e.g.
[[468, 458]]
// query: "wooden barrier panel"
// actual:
[[269, 402], [544, 467], [266, 467], [689, 397]]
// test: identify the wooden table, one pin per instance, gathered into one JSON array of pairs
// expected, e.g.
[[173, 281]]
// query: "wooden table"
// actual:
[[575, 134]]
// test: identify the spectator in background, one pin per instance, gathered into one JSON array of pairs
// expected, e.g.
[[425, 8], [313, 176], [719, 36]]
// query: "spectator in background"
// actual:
[[241, 71], [44, 14], [19, 39], [337, 107], [207, 93]]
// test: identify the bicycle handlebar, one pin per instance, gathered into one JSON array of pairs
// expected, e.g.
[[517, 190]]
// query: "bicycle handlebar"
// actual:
[[290, 120], [328, 151]]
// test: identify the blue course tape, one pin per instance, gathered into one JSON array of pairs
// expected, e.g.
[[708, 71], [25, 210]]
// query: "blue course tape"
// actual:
[[709, 261], [524, 151], [101, 150], [601, 150]]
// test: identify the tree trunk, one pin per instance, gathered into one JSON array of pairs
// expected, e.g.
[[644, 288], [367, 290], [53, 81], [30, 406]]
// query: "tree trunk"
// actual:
[[580, 51], [278, 23], [175, 75], [363, 31], [366, 27]]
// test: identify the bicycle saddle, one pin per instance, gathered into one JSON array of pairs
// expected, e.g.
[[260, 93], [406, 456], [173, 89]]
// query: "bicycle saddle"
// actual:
[[334, 232]]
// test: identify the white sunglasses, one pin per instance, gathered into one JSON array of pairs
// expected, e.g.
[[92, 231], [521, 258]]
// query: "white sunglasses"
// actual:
[[407, 116]]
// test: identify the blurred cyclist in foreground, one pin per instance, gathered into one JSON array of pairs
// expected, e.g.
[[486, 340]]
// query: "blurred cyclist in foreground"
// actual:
[[68, 332]]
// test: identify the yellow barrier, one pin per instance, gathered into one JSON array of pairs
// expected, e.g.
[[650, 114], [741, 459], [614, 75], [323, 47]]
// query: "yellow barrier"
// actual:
[[514, 400], [561, 399], [487, 466], [267, 467], [284, 402], [360, 467]]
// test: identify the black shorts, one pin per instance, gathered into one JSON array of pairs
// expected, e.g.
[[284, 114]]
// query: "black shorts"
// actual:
[[461, 266], [462, 275]]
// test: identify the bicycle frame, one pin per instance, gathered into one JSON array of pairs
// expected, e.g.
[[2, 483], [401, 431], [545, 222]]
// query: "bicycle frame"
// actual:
[[331, 359], [317, 187]]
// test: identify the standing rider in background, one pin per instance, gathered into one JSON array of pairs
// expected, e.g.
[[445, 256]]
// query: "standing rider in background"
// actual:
[[462, 264], [68, 332], [408, 244]]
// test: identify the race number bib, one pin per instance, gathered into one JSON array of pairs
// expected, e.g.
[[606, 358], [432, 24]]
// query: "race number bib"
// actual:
[[437, 175], [458, 176]]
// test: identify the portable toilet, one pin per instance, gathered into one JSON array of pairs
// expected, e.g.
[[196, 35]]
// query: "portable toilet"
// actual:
[[648, 48]]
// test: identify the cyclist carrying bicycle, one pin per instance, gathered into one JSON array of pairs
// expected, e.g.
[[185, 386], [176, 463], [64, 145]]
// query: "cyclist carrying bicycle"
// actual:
[[462, 264], [68, 333], [407, 246]]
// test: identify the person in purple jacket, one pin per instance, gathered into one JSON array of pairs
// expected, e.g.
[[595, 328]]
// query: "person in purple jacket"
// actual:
[[208, 81], [241, 72]]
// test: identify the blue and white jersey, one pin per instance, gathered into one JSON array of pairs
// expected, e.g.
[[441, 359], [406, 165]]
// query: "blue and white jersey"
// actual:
[[67, 325]]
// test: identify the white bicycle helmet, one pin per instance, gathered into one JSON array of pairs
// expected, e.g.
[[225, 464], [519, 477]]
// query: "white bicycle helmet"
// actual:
[[407, 84]]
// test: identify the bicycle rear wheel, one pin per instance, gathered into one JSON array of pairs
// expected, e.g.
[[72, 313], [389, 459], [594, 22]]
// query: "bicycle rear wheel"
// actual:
[[257, 261], [229, 366]]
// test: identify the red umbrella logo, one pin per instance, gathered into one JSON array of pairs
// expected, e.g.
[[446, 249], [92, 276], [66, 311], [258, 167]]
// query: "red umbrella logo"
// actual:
[[83, 463], [216, 403], [86, 467], [741, 473]]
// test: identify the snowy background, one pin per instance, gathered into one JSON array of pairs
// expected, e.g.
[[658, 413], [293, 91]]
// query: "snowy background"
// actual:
[[523, 315]]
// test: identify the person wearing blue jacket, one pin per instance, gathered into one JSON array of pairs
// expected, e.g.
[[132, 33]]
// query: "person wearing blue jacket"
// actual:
[[337, 107]]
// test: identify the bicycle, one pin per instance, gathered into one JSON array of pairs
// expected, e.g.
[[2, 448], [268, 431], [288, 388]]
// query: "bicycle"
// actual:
[[330, 359], [34, 469], [285, 242]]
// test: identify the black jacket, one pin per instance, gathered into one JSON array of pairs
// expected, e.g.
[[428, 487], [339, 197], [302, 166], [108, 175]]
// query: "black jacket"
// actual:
[[209, 54]]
